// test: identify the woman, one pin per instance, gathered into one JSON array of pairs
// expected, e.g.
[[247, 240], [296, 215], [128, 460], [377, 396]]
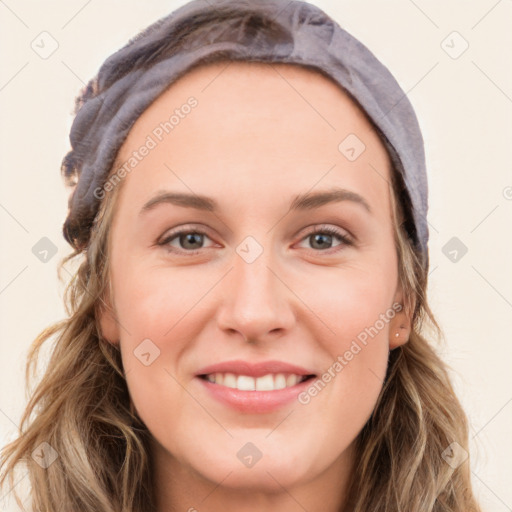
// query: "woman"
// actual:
[[256, 370]]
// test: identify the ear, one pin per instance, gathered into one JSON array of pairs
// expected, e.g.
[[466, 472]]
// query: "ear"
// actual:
[[109, 324], [400, 326]]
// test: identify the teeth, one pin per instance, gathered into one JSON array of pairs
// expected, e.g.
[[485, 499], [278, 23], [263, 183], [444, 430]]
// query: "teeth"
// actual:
[[265, 383], [292, 379], [245, 383], [280, 381], [269, 382], [229, 380]]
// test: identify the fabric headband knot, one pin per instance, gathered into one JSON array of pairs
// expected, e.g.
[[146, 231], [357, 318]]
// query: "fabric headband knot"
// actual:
[[271, 31]]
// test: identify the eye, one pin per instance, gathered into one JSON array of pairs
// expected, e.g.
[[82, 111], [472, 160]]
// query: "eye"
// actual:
[[322, 237], [189, 241]]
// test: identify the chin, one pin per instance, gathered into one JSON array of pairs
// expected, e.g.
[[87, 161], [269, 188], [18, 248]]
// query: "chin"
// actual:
[[259, 466], [265, 476]]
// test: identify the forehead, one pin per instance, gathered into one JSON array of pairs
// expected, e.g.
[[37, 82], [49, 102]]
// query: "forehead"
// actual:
[[255, 123], [253, 93]]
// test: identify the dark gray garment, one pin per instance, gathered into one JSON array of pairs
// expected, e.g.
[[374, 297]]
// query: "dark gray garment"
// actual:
[[265, 31]]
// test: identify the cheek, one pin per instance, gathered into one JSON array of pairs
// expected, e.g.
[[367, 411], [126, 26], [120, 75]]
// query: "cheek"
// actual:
[[354, 303], [152, 302], [156, 309], [355, 312]]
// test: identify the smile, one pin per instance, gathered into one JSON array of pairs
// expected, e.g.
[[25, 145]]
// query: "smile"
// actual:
[[268, 382], [254, 387]]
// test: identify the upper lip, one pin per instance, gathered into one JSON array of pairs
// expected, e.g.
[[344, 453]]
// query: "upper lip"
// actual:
[[239, 367]]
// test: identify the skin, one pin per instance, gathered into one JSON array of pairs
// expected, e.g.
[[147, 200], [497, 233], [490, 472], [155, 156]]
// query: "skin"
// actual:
[[259, 136]]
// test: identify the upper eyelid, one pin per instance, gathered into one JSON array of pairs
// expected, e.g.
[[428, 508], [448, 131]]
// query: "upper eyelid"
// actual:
[[308, 231], [184, 229]]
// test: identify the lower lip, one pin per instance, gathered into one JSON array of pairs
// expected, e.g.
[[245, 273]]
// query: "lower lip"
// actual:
[[254, 401]]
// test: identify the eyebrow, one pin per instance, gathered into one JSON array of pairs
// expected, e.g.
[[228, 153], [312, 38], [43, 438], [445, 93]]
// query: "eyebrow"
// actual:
[[306, 201]]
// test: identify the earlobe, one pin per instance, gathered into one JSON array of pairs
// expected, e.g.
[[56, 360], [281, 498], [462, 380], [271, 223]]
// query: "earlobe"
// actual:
[[108, 325], [399, 336], [401, 325], [107, 320]]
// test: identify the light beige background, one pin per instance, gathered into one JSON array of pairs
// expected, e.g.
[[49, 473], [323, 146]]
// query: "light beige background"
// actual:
[[464, 106]]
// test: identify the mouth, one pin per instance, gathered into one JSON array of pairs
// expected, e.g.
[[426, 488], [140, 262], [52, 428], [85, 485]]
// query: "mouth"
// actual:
[[268, 382], [254, 388]]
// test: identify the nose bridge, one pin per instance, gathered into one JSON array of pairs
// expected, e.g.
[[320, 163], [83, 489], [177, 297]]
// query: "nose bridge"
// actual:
[[255, 301]]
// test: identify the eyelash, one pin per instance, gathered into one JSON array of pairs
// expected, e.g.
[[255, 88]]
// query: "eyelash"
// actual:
[[318, 230]]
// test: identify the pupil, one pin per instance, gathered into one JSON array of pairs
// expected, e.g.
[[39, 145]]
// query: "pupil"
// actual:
[[190, 238], [322, 238]]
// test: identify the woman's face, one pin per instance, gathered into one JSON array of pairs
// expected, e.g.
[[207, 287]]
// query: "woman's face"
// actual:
[[220, 284]]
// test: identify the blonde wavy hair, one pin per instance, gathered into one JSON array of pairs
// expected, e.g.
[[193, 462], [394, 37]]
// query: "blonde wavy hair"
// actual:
[[81, 405]]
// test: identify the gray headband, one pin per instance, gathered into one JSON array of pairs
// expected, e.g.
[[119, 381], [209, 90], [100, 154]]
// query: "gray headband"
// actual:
[[271, 31]]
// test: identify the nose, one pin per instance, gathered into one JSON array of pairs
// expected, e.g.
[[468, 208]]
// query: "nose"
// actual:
[[256, 302]]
